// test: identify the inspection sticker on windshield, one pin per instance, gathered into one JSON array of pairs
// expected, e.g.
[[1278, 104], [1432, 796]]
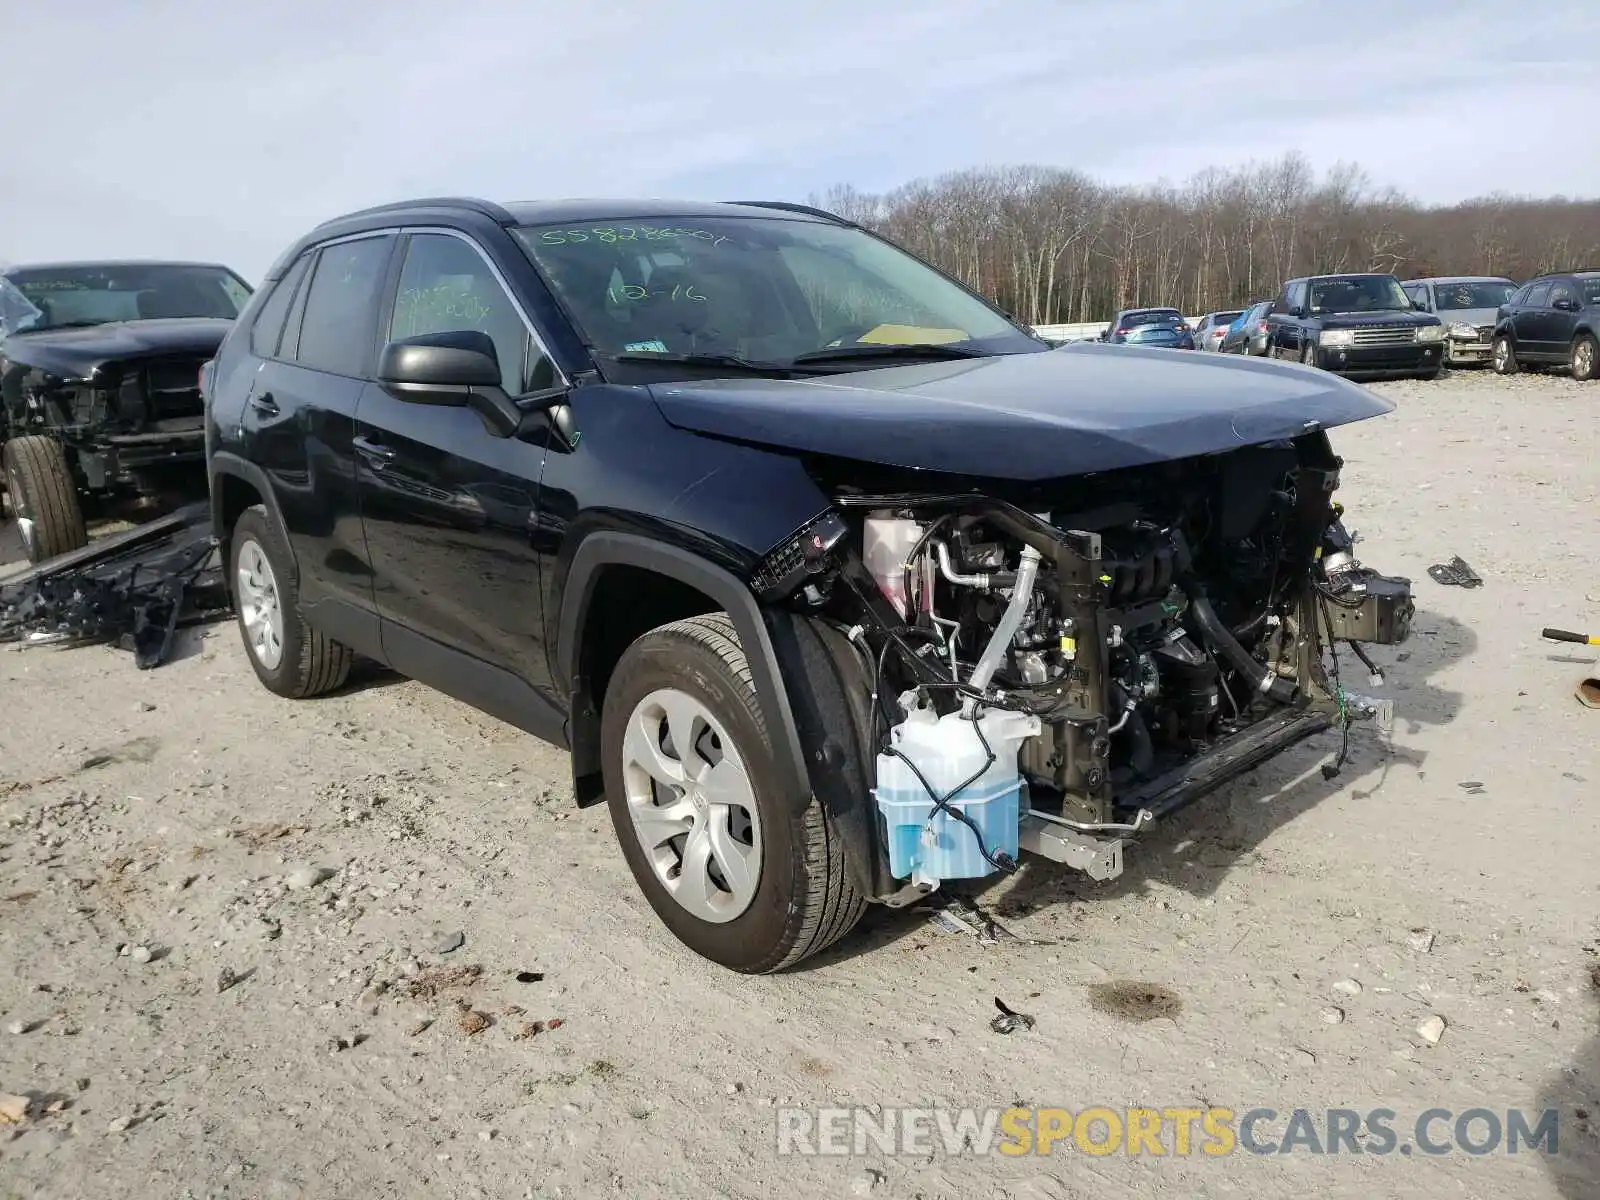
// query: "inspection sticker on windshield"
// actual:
[[653, 346]]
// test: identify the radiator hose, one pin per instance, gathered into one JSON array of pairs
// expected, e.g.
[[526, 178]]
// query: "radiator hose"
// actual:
[[1273, 686], [1141, 752]]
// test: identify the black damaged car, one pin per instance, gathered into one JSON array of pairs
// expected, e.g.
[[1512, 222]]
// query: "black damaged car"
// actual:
[[836, 582], [99, 385], [1363, 326]]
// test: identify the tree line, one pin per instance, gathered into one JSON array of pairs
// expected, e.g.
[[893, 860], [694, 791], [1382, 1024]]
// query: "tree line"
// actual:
[[1054, 246]]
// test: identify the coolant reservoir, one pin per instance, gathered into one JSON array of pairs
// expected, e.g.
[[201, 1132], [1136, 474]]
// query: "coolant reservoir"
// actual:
[[937, 845], [886, 543]]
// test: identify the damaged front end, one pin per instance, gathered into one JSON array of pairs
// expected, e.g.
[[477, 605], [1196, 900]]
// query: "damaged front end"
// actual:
[[1055, 667]]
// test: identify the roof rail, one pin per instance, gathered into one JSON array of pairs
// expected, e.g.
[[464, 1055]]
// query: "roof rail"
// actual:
[[484, 208], [785, 206]]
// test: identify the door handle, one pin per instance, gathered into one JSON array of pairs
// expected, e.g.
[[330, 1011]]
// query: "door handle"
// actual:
[[380, 455], [265, 404]]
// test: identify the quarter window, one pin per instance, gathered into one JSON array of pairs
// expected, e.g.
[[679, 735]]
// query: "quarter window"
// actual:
[[341, 306], [267, 332], [446, 286]]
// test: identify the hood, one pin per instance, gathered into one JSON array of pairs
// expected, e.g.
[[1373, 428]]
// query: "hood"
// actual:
[[1387, 316], [74, 353], [1470, 316], [1027, 417]]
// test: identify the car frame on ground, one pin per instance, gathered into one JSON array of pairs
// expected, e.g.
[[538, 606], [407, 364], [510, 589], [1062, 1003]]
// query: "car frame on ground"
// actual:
[[1358, 324], [835, 581], [1469, 305], [1129, 320], [1551, 321], [1211, 328], [99, 385], [1247, 333]]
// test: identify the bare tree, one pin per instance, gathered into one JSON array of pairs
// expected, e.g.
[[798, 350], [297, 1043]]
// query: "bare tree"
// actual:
[[1053, 245]]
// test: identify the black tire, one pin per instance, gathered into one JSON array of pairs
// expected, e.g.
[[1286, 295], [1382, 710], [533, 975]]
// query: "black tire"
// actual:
[[805, 898], [1585, 358], [1308, 354], [1430, 376], [44, 492], [309, 663], [1503, 356]]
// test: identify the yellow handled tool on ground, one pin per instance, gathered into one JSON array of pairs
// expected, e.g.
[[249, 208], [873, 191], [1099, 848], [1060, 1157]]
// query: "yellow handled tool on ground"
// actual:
[[1562, 635]]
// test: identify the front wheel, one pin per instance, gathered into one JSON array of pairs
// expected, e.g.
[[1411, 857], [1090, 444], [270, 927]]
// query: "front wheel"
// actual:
[[44, 497], [1503, 357], [725, 860], [1308, 354], [1585, 358]]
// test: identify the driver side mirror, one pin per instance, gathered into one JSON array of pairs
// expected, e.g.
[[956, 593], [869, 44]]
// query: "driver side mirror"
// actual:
[[458, 369], [1566, 305]]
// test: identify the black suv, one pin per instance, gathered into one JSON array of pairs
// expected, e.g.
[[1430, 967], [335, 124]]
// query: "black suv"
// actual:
[[99, 375], [808, 554], [1363, 326], [1553, 320]]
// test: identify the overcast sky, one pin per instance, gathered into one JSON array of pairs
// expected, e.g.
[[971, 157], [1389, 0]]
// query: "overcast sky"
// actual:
[[222, 131]]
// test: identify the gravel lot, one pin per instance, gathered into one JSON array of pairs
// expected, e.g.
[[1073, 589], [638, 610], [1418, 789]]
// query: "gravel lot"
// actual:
[[166, 834]]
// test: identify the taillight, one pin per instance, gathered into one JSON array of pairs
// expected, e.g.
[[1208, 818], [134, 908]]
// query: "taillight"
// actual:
[[1261, 327]]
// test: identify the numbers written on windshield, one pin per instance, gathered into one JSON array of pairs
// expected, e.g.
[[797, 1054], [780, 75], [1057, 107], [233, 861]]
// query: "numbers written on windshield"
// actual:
[[627, 233], [632, 291]]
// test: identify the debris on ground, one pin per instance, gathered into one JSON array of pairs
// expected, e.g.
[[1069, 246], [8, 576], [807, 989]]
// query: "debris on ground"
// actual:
[[1332, 1015], [13, 1109], [960, 914], [450, 943], [1431, 1030], [1009, 1020], [530, 976], [1420, 940], [135, 589], [472, 1021], [227, 978], [1455, 573], [1472, 787], [436, 981]]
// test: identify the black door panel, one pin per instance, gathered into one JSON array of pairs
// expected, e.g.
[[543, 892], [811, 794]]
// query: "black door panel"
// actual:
[[449, 513]]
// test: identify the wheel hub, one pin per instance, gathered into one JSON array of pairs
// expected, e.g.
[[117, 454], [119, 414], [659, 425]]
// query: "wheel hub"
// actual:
[[260, 606], [692, 805]]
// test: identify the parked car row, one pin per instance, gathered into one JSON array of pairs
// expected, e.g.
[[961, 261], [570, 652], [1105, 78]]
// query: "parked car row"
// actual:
[[1372, 325]]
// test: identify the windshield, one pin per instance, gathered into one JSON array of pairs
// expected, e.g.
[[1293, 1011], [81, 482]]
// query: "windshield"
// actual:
[[1358, 293], [1454, 297], [765, 290], [95, 295]]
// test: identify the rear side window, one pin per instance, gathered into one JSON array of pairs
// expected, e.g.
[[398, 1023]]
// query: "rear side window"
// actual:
[[341, 306], [1563, 290], [267, 332]]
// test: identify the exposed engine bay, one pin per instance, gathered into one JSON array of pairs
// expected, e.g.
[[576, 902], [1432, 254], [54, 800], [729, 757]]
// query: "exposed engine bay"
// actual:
[[1053, 671]]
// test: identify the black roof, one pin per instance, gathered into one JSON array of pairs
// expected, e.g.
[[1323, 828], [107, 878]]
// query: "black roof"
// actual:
[[561, 211], [98, 264]]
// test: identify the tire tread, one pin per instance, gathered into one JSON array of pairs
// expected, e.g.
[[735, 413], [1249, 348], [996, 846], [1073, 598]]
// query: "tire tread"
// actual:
[[42, 468]]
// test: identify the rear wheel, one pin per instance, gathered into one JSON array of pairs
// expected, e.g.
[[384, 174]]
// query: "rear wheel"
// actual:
[[1503, 356], [288, 656], [1585, 358], [44, 497], [728, 864]]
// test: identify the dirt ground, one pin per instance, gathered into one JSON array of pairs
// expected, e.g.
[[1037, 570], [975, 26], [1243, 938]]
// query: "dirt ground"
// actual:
[[224, 922]]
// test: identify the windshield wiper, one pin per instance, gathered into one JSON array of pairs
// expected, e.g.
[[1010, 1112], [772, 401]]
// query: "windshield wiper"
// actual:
[[928, 350], [700, 360]]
